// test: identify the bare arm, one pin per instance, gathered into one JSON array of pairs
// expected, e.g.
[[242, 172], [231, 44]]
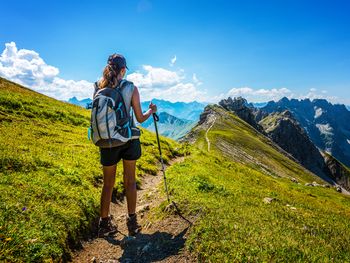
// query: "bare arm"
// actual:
[[136, 105]]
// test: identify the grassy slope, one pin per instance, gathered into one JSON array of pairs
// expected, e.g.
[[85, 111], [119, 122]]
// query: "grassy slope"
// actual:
[[228, 189], [50, 176]]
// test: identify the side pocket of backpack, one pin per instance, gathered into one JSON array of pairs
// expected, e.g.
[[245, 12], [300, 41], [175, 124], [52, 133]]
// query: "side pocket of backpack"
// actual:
[[94, 121]]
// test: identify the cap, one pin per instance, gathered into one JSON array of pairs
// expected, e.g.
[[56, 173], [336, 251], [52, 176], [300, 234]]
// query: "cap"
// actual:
[[117, 60]]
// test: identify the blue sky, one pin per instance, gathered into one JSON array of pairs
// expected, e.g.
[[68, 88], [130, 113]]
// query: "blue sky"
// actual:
[[258, 49]]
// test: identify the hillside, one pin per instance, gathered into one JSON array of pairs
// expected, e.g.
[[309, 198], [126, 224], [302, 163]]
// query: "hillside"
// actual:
[[50, 176], [253, 200]]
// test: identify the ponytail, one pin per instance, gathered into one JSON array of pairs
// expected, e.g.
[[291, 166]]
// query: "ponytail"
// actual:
[[110, 76]]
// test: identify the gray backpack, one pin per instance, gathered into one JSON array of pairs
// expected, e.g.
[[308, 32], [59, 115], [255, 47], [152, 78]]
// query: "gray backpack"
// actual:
[[111, 124]]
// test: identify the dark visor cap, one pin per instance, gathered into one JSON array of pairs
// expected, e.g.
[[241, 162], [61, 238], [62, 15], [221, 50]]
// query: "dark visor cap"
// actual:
[[117, 60]]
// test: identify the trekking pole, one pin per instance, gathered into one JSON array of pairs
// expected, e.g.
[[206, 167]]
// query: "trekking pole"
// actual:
[[177, 210], [155, 119]]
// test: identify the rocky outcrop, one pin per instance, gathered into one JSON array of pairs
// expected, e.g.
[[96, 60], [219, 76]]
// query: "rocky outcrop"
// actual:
[[285, 131], [339, 172], [243, 110], [327, 124], [205, 120]]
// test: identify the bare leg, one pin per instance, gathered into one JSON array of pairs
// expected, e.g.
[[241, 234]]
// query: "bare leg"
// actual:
[[107, 189], [130, 184]]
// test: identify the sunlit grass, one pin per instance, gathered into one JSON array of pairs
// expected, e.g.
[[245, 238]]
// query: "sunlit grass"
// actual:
[[301, 224]]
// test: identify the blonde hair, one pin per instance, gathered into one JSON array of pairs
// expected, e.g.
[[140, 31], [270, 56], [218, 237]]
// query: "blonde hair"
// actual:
[[109, 77]]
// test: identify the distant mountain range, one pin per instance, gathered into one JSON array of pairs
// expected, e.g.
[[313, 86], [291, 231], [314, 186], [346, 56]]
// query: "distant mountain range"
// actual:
[[181, 110], [82, 103], [327, 124], [175, 118], [170, 126]]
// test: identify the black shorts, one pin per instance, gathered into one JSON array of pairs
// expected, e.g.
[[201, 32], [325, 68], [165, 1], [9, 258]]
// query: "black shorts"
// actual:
[[129, 151]]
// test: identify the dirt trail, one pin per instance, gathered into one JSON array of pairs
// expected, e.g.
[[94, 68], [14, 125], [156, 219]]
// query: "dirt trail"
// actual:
[[160, 241], [206, 133]]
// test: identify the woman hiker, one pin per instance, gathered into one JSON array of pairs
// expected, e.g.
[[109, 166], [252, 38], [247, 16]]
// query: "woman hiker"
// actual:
[[113, 74]]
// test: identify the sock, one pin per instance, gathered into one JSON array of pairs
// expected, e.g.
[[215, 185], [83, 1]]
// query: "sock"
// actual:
[[103, 221]]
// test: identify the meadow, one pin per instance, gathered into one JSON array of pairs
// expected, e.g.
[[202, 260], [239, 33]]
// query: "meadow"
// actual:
[[298, 224]]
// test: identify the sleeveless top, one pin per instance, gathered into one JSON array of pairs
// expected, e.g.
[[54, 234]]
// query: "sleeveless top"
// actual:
[[126, 91]]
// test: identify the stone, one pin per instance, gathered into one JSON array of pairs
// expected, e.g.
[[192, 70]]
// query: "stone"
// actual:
[[268, 200], [294, 180], [315, 184], [142, 208]]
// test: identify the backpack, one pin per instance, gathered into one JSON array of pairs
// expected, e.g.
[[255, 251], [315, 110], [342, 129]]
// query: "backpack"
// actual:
[[111, 124]]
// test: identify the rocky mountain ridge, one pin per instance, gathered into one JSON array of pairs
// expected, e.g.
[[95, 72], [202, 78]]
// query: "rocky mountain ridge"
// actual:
[[283, 128], [327, 124], [244, 110]]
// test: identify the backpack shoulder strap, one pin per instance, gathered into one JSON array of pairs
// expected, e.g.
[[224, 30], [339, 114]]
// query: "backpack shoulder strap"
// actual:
[[95, 89], [118, 89]]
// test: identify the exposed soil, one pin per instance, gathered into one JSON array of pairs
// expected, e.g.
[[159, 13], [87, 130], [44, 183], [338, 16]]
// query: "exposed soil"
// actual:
[[212, 120], [162, 240]]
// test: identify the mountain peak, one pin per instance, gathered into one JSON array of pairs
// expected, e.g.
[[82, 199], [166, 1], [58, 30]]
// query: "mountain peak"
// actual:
[[284, 100]]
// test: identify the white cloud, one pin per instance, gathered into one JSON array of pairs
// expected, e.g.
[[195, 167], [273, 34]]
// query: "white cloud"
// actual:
[[172, 61], [314, 94], [27, 68], [264, 95], [196, 80], [256, 95], [165, 84], [155, 77]]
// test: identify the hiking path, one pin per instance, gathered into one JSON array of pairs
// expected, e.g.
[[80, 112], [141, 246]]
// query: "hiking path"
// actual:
[[160, 240]]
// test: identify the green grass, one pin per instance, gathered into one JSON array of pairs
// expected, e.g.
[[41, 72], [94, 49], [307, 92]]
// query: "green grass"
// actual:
[[235, 224], [50, 175]]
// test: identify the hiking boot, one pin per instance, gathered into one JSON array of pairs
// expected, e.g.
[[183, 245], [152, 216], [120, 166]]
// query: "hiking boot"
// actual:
[[133, 226], [106, 227]]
